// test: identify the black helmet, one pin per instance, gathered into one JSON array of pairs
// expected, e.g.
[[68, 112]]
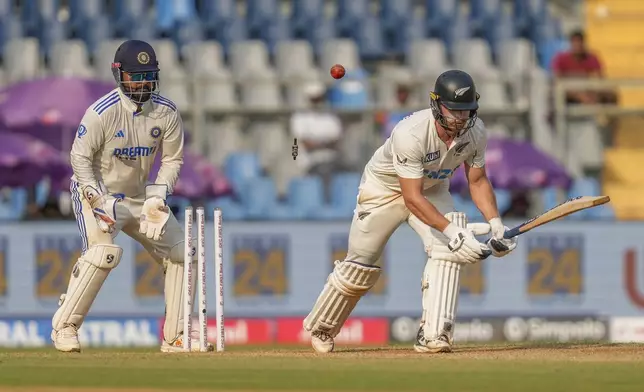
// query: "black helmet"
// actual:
[[455, 90], [138, 59]]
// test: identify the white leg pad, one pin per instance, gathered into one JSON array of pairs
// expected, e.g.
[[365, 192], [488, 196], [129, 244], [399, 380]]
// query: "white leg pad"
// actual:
[[173, 326], [440, 291], [86, 280], [346, 284]]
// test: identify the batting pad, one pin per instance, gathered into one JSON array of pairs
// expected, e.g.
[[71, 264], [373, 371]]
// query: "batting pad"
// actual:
[[345, 285], [87, 278], [440, 289], [173, 326]]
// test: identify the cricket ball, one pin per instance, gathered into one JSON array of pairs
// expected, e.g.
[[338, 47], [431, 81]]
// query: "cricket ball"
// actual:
[[337, 71]]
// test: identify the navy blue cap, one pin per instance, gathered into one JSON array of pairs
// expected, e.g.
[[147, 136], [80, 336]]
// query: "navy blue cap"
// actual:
[[135, 56]]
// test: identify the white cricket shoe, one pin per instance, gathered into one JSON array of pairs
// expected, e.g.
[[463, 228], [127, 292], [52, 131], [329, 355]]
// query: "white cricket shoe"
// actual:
[[322, 342], [66, 340], [441, 344], [177, 346]]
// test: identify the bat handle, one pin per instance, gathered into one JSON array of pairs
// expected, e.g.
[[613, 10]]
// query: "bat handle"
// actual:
[[512, 233]]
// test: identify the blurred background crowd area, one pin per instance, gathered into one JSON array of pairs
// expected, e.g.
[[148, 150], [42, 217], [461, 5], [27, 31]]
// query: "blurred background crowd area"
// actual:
[[558, 77]]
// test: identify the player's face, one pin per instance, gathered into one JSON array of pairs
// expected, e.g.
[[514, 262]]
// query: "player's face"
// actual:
[[140, 85], [456, 120]]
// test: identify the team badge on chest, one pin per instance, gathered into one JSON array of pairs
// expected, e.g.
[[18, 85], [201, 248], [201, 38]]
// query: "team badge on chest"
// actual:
[[155, 132]]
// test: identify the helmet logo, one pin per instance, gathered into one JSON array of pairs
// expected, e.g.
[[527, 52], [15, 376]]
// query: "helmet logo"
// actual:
[[143, 58], [461, 91]]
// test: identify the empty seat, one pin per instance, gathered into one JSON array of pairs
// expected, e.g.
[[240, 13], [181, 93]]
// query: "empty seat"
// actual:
[[427, 57], [178, 92], [186, 32], [217, 93], [344, 191], [51, 32], [350, 14], [223, 138], [104, 58], [97, 31], [70, 58], [240, 167], [472, 54], [129, 13], [493, 92], [203, 56], [249, 59], [516, 56], [305, 14], [340, 51], [22, 59], [306, 194], [10, 29], [261, 94], [6, 8], [143, 29], [369, 37], [259, 196], [270, 140], [168, 57], [295, 60], [260, 13]]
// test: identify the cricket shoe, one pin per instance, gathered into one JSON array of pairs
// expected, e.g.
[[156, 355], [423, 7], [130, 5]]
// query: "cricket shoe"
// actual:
[[322, 342], [66, 340], [177, 346], [441, 344]]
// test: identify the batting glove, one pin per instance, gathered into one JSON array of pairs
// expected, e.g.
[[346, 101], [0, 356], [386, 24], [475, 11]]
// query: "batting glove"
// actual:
[[499, 245]]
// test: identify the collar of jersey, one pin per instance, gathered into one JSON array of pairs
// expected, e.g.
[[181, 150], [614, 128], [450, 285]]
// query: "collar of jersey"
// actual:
[[131, 106]]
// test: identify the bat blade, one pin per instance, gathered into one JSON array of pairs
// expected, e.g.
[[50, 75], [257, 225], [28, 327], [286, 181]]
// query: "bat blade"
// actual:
[[568, 207]]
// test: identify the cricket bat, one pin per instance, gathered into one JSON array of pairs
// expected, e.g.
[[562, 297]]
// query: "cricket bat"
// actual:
[[568, 207]]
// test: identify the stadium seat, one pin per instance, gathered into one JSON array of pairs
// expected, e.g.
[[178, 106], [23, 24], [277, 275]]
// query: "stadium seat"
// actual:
[[261, 94], [350, 14], [370, 39], [170, 13], [269, 140], [103, 59], [227, 139], [484, 14], [129, 13], [441, 13], [51, 33], [503, 199], [319, 33], [340, 51], [473, 55], [427, 58], [260, 13], [306, 194], [495, 92], [29, 17], [42, 192], [10, 29], [274, 31], [143, 29], [240, 167], [305, 14], [294, 59], [259, 196], [395, 18], [6, 9], [528, 13], [344, 191], [186, 32], [352, 92], [82, 13], [250, 59], [13, 204], [97, 31], [70, 58], [22, 59], [550, 197], [230, 209]]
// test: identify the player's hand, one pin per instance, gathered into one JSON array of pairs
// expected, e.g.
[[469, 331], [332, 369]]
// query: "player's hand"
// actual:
[[462, 246], [499, 245], [103, 208], [155, 212]]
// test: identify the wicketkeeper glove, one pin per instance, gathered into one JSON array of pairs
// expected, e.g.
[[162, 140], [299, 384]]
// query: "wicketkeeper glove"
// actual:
[[155, 212], [103, 208]]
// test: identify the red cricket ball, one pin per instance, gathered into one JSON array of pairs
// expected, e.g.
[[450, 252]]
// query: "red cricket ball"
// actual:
[[338, 71]]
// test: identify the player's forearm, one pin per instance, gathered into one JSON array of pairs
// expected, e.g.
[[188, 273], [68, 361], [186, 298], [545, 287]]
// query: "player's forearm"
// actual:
[[169, 174], [424, 210], [484, 198], [83, 171]]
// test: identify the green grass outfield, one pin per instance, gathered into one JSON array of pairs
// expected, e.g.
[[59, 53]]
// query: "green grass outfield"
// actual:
[[520, 368]]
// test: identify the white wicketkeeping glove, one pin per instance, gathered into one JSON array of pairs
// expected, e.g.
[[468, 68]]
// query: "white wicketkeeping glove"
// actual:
[[499, 245], [462, 246], [155, 212], [103, 208]]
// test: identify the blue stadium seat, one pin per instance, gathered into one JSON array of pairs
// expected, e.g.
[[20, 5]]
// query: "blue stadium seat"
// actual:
[[440, 14], [241, 166], [305, 14], [258, 197], [231, 210], [344, 191], [274, 31], [13, 205], [48, 10], [319, 32], [82, 12], [528, 13], [414, 30], [306, 194], [6, 8], [187, 32], [458, 30], [97, 30], [144, 29], [10, 28], [29, 17], [349, 16], [50, 33], [128, 13], [178, 205], [369, 37], [503, 199], [395, 16], [351, 91], [42, 192], [169, 13], [259, 14], [501, 31], [550, 198], [221, 22], [484, 15]]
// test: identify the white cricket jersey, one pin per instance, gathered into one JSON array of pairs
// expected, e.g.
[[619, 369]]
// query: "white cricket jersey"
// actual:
[[114, 147], [414, 150]]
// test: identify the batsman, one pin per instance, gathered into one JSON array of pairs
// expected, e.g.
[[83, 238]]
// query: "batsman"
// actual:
[[111, 157], [407, 180]]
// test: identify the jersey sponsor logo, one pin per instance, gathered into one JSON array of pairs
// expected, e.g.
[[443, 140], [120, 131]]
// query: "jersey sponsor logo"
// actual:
[[134, 152], [432, 156]]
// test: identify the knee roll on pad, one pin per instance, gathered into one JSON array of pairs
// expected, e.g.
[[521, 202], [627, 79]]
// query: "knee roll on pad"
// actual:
[[86, 280], [346, 284], [440, 290]]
